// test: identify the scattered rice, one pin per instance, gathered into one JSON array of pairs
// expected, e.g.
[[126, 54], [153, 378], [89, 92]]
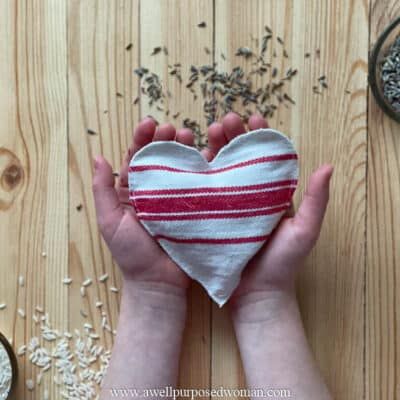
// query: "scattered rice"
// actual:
[[114, 289], [87, 282], [103, 278], [87, 326], [21, 280], [99, 304], [3, 306], [83, 291], [30, 385], [84, 314], [39, 378], [44, 254], [67, 281], [21, 312], [94, 336], [40, 309], [77, 365], [22, 350], [68, 335]]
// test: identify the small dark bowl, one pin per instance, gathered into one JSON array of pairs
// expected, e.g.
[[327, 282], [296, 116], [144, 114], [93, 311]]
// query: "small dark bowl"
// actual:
[[379, 51], [14, 364]]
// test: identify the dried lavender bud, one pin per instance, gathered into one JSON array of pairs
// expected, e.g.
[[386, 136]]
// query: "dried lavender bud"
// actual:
[[91, 132], [141, 71], [129, 46], [390, 75], [288, 98], [268, 29], [156, 50], [244, 51], [202, 24]]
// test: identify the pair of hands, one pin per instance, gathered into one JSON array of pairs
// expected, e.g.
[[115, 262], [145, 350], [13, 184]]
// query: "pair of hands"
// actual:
[[142, 260]]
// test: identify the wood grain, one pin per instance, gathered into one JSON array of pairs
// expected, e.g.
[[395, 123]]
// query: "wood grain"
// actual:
[[101, 89], [323, 128], [64, 69], [383, 252], [34, 173], [173, 23], [242, 24], [332, 127]]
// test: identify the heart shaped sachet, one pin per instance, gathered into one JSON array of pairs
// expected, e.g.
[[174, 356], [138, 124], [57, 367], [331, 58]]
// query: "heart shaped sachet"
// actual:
[[211, 218]]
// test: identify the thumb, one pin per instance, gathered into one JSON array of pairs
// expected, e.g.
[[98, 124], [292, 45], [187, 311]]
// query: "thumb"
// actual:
[[106, 199], [312, 209]]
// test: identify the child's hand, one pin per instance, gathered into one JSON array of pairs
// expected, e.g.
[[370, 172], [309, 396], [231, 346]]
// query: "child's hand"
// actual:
[[139, 256], [274, 268]]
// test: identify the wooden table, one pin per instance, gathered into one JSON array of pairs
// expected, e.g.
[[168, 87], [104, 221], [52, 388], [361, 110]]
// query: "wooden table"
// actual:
[[62, 64]]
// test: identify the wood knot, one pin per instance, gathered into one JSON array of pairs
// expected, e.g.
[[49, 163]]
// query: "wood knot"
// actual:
[[11, 177]]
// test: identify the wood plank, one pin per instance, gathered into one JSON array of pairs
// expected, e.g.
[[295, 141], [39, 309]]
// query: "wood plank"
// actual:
[[325, 128], [101, 90], [242, 24], [173, 23], [332, 128], [33, 158], [383, 252]]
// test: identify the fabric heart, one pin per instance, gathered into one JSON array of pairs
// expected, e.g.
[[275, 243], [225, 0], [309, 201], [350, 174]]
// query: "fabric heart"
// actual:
[[211, 218]]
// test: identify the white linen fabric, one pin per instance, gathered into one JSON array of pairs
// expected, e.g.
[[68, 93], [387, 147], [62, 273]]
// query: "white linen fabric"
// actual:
[[211, 218]]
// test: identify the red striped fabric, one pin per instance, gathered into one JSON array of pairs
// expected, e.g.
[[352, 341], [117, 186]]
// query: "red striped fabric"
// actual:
[[221, 189], [193, 216], [213, 202], [211, 218], [238, 240], [280, 157]]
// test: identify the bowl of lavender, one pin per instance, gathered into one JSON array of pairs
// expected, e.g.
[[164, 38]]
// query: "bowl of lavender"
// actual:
[[384, 70]]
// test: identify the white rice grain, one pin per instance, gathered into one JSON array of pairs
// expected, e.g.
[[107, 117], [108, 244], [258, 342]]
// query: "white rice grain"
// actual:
[[21, 350], [30, 385], [87, 282], [103, 278]]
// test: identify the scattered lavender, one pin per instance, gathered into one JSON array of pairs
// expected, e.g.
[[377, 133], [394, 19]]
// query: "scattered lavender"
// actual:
[[223, 91], [390, 75]]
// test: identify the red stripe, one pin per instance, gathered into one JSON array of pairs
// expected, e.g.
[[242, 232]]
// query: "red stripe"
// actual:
[[213, 216], [222, 189], [281, 157], [213, 241], [214, 203]]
